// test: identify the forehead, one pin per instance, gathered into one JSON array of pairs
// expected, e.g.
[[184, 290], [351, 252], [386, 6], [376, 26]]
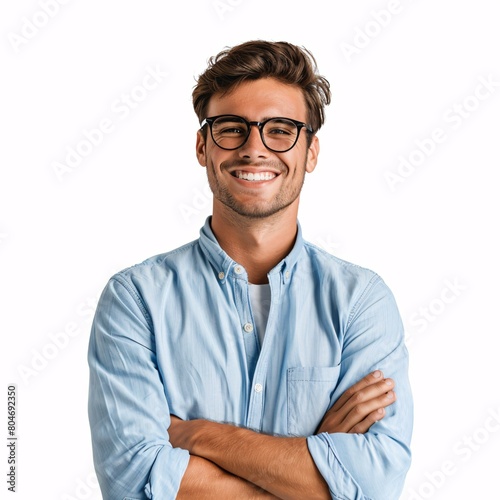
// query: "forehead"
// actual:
[[260, 99]]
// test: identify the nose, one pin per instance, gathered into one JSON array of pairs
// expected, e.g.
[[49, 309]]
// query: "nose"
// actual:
[[253, 147]]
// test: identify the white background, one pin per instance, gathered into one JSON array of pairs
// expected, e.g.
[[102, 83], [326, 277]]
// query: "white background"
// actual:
[[141, 192]]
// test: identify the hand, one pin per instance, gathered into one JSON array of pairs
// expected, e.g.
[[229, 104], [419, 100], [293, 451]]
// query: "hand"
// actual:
[[360, 406], [180, 432]]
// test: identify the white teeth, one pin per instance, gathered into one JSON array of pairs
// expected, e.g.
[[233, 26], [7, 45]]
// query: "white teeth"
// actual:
[[249, 176]]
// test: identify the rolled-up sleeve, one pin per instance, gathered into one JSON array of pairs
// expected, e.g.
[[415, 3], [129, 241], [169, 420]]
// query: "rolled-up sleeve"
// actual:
[[371, 465], [128, 409]]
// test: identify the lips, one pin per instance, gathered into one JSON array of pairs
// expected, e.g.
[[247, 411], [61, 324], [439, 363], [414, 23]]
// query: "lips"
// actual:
[[254, 176]]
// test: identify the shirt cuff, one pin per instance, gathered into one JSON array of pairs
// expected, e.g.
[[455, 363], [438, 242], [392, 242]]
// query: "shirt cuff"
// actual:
[[166, 474], [340, 482]]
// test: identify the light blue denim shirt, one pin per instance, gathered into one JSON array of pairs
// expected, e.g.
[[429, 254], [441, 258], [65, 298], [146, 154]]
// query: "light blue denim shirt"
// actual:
[[175, 335]]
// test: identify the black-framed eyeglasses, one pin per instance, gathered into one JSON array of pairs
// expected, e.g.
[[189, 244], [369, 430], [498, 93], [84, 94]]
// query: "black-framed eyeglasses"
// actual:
[[278, 134]]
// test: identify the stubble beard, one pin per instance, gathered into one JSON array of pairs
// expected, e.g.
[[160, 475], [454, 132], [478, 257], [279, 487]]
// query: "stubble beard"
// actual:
[[257, 211]]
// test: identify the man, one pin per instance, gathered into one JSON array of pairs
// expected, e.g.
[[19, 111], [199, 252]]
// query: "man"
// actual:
[[197, 389]]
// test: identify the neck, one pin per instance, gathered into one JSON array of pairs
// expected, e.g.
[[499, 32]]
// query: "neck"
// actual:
[[257, 244]]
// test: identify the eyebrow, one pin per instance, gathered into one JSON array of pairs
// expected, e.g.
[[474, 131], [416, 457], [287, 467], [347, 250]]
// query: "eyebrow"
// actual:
[[261, 120], [281, 119], [228, 118]]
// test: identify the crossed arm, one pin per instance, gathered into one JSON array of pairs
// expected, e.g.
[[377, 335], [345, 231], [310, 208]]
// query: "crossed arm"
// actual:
[[232, 462]]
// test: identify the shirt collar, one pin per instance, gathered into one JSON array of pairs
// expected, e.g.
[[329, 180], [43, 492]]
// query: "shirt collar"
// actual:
[[222, 263]]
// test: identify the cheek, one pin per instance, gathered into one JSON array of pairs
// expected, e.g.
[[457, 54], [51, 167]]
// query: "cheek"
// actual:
[[212, 154], [296, 162], [213, 163]]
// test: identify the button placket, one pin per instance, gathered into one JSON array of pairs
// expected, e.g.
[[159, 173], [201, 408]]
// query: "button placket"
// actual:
[[247, 328], [257, 393]]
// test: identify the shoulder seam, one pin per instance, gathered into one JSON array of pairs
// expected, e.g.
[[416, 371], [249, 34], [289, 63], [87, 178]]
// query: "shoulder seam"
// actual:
[[135, 296], [373, 281]]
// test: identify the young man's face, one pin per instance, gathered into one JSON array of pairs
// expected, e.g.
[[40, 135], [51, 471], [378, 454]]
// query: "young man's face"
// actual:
[[281, 175]]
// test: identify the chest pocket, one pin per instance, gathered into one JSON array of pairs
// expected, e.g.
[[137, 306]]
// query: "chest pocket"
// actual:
[[309, 393]]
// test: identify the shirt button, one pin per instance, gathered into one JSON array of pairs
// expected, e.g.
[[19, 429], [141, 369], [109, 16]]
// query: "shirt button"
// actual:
[[221, 275], [258, 387], [248, 327], [287, 274], [238, 269]]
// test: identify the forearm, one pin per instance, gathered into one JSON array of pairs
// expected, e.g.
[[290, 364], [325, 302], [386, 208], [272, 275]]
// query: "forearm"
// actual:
[[284, 466], [280, 465], [205, 480]]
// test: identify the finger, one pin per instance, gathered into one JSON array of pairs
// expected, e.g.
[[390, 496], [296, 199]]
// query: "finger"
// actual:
[[365, 424], [341, 421], [365, 382], [361, 411], [373, 391]]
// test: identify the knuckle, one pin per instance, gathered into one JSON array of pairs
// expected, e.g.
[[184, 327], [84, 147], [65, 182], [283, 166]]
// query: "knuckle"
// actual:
[[350, 392], [357, 398], [358, 410]]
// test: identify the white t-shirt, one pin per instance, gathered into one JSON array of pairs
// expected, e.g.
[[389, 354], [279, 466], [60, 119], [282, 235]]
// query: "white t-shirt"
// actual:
[[260, 298]]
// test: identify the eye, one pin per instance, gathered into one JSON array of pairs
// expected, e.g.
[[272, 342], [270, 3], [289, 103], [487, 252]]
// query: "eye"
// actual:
[[229, 126], [230, 130], [280, 127], [278, 131]]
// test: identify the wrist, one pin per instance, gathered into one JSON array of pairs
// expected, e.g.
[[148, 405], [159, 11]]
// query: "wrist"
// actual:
[[201, 432]]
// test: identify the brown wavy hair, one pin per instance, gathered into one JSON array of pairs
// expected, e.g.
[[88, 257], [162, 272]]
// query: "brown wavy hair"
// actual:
[[261, 59]]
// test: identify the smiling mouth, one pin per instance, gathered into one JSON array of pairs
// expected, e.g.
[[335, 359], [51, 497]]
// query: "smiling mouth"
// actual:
[[254, 176]]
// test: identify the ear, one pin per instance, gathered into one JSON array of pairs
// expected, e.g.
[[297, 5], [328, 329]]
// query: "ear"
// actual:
[[201, 151], [312, 155]]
